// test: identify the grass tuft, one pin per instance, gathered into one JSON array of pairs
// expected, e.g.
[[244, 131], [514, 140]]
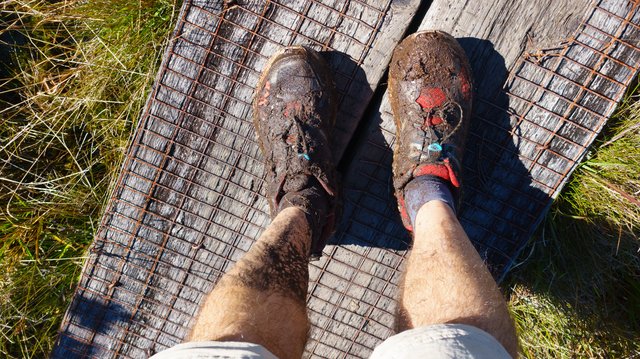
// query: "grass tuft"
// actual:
[[75, 77], [578, 293], [607, 185]]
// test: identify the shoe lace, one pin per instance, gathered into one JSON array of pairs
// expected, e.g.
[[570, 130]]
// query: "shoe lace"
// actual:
[[437, 146], [302, 146]]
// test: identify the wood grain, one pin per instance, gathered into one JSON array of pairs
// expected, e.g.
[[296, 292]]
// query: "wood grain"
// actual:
[[547, 77], [190, 198]]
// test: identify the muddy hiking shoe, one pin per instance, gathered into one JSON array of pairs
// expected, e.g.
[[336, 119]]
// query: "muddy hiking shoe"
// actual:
[[430, 91], [294, 111]]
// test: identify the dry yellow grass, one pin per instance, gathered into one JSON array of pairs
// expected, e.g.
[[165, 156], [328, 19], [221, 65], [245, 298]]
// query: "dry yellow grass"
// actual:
[[79, 76]]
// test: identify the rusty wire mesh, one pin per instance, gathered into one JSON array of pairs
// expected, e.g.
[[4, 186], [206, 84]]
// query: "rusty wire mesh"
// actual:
[[190, 202], [557, 102], [527, 136]]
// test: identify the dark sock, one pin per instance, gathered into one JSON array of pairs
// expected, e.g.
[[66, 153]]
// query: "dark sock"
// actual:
[[424, 189]]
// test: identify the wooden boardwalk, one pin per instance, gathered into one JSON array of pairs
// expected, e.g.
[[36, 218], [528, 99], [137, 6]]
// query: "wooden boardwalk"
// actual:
[[190, 199]]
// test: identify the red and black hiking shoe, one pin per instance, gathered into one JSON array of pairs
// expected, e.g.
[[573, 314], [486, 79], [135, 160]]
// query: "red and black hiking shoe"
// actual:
[[294, 111], [430, 90]]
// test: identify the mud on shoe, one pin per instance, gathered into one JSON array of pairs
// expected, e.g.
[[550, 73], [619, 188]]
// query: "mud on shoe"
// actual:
[[294, 111], [430, 91]]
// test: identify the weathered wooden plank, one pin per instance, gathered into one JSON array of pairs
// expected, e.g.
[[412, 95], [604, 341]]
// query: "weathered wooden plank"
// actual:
[[189, 201], [548, 75]]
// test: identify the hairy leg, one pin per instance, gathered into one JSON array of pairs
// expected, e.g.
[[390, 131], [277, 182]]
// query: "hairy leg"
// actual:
[[446, 281], [262, 298]]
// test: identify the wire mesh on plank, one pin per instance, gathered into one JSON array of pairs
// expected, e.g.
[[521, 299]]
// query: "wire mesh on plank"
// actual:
[[527, 137], [190, 199], [557, 101], [194, 174]]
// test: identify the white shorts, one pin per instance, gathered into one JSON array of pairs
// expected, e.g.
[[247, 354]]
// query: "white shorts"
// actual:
[[440, 341]]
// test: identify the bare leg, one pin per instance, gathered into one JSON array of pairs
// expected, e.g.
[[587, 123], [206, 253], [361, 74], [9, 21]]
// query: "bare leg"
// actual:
[[447, 282], [262, 298]]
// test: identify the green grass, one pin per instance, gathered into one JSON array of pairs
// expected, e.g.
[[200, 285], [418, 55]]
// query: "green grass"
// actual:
[[577, 295], [69, 102], [79, 76]]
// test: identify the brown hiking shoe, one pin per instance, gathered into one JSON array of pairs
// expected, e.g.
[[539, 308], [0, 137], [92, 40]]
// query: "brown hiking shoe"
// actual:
[[430, 90], [294, 111]]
